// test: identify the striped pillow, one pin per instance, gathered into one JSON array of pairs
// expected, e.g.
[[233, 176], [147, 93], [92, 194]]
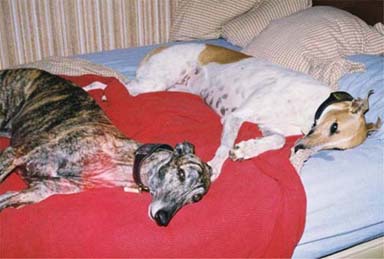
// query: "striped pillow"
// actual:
[[316, 41], [241, 30], [200, 19]]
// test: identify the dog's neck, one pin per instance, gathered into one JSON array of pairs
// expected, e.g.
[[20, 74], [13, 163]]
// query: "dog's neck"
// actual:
[[148, 159]]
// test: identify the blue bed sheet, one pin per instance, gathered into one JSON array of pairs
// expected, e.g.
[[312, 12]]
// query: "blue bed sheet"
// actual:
[[345, 201], [345, 205]]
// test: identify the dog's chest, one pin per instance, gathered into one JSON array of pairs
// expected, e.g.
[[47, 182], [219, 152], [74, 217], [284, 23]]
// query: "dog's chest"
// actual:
[[219, 100], [219, 89], [262, 93]]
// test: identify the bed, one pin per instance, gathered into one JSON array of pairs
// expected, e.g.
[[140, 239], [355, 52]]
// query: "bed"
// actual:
[[258, 208], [344, 206]]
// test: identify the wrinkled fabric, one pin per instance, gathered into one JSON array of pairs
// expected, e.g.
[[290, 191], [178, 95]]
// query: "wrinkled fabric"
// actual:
[[256, 208]]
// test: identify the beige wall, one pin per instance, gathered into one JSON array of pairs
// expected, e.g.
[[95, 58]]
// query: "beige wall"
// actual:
[[33, 29]]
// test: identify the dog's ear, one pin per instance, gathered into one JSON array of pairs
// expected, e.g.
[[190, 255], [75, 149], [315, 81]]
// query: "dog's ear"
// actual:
[[361, 105], [208, 169], [184, 148], [374, 126]]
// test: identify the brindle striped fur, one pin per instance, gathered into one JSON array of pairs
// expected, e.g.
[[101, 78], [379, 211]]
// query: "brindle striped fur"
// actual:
[[62, 142], [59, 134]]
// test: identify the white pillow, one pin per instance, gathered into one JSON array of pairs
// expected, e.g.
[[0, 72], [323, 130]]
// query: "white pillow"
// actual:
[[203, 19], [316, 41], [241, 30]]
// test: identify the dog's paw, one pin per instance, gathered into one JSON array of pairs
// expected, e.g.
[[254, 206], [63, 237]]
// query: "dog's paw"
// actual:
[[215, 170], [237, 152], [240, 151], [216, 166], [217, 161]]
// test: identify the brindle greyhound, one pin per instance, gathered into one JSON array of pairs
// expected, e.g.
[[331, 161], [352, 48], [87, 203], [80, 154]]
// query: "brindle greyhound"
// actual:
[[63, 143]]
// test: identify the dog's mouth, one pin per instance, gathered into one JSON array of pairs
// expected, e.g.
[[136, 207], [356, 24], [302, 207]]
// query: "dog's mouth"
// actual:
[[302, 145]]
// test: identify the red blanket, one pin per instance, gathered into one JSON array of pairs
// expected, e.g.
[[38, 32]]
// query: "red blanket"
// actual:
[[256, 208]]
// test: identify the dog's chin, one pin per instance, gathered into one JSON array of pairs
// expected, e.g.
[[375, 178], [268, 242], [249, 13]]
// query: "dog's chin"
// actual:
[[305, 146]]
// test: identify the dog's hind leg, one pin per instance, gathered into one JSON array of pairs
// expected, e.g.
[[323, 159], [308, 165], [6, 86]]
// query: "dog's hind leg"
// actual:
[[253, 147], [37, 192], [7, 162]]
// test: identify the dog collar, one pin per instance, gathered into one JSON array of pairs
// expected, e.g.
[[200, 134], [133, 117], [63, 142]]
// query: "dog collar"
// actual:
[[141, 154]]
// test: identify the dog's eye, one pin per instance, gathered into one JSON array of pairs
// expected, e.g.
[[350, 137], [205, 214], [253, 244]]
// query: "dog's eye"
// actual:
[[333, 128], [181, 174], [197, 197]]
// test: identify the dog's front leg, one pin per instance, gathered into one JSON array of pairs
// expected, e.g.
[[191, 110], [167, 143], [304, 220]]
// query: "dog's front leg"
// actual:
[[231, 126], [253, 147]]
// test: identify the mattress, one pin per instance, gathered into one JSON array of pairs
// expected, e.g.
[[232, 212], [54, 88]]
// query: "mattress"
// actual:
[[344, 205]]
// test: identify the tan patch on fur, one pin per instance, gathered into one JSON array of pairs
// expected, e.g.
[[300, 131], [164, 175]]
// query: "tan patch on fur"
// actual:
[[152, 53], [220, 55]]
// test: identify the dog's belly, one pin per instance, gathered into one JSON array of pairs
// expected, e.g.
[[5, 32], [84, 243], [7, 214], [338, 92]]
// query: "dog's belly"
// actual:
[[264, 93]]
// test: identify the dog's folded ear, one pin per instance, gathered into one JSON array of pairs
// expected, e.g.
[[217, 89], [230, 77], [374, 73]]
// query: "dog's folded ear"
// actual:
[[371, 127], [208, 169], [361, 105], [184, 148]]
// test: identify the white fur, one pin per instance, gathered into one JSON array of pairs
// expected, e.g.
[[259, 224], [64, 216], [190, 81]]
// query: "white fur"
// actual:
[[166, 69], [282, 102]]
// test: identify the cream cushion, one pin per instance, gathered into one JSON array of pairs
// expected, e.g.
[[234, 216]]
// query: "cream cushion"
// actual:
[[203, 19], [241, 30], [316, 41]]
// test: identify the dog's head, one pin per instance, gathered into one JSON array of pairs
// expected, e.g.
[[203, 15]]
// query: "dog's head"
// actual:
[[339, 124], [175, 178]]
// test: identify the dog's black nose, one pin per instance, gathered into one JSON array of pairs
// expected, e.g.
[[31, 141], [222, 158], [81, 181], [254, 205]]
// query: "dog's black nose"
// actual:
[[298, 147], [162, 218]]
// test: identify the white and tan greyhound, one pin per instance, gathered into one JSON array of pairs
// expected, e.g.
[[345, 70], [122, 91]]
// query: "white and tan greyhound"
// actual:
[[243, 88]]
